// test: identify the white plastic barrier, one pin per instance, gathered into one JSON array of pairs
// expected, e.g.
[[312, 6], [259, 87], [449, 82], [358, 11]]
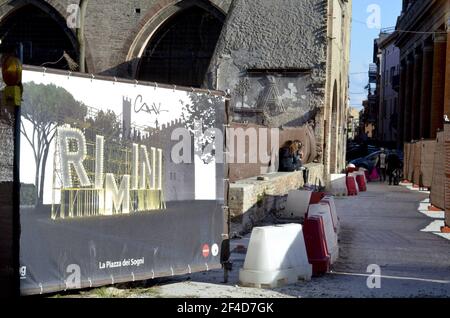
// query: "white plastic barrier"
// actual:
[[338, 185], [336, 221], [323, 210], [297, 204], [276, 256]]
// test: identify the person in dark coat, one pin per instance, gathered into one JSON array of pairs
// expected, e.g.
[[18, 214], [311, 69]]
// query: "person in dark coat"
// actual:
[[299, 160], [394, 166], [289, 157]]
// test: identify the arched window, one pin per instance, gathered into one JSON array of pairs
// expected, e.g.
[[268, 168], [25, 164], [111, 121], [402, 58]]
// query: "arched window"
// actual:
[[181, 49], [38, 37]]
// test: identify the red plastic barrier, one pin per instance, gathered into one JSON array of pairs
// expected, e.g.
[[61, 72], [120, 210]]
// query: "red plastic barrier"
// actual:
[[366, 172], [361, 183], [351, 186], [316, 246], [316, 197]]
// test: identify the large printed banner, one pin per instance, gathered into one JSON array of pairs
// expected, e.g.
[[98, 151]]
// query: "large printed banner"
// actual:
[[119, 182]]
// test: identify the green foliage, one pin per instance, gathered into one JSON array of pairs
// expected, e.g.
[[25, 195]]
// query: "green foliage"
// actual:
[[45, 105], [106, 124]]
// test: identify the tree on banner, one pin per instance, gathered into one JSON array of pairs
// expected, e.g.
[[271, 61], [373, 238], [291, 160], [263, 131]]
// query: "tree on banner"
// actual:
[[46, 107], [201, 117]]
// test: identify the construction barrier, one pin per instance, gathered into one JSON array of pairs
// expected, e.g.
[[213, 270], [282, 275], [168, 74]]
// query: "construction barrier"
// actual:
[[323, 210], [338, 185], [103, 206], [360, 186], [336, 221], [352, 187], [361, 182], [417, 164], [437, 196], [409, 175], [367, 175], [276, 256], [316, 197], [427, 162], [297, 204], [316, 246], [355, 175], [363, 172], [406, 157]]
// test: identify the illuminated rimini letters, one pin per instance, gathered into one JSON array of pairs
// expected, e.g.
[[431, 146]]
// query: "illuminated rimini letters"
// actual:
[[117, 200], [104, 196], [76, 158]]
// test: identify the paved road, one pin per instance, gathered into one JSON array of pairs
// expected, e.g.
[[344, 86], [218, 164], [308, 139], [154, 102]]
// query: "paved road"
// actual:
[[382, 226]]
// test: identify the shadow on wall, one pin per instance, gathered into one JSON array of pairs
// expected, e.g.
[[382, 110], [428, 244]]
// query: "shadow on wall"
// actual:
[[122, 70], [303, 120]]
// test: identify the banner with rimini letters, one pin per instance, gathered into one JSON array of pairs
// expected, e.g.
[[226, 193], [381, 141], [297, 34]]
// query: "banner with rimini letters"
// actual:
[[120, 181]]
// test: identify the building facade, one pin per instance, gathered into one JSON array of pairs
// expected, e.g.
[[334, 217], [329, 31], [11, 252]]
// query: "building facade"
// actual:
[[424, 94], [288, 67], [285, 62], [352, 123], [389, 64]]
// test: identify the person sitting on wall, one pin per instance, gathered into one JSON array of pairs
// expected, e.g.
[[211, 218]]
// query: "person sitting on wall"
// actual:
[[299, 159], [289, 158]]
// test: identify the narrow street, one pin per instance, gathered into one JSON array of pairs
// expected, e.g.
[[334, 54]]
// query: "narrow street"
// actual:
[[382, 226]]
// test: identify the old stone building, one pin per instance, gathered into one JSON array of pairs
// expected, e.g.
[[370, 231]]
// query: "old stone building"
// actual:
[[284, 62], [289, 58], [424, 95], [389, 81]]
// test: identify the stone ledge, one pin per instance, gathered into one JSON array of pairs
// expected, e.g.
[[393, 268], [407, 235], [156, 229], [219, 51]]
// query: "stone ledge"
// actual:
[[252, 200]]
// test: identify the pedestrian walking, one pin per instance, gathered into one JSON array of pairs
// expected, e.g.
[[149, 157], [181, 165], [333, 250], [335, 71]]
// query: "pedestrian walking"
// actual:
[[382, 165], [394, 166]]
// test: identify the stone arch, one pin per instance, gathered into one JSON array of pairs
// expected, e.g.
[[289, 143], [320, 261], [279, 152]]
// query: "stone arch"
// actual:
[[159, 15], [32, 23], [52, 9]]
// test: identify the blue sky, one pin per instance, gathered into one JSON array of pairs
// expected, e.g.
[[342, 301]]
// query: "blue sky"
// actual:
[[363, 35]]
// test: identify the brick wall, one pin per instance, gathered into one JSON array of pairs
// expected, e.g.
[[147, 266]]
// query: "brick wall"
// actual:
[[111, 27]]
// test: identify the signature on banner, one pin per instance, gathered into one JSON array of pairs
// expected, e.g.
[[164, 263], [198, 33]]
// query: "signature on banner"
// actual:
[[139, 106]]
